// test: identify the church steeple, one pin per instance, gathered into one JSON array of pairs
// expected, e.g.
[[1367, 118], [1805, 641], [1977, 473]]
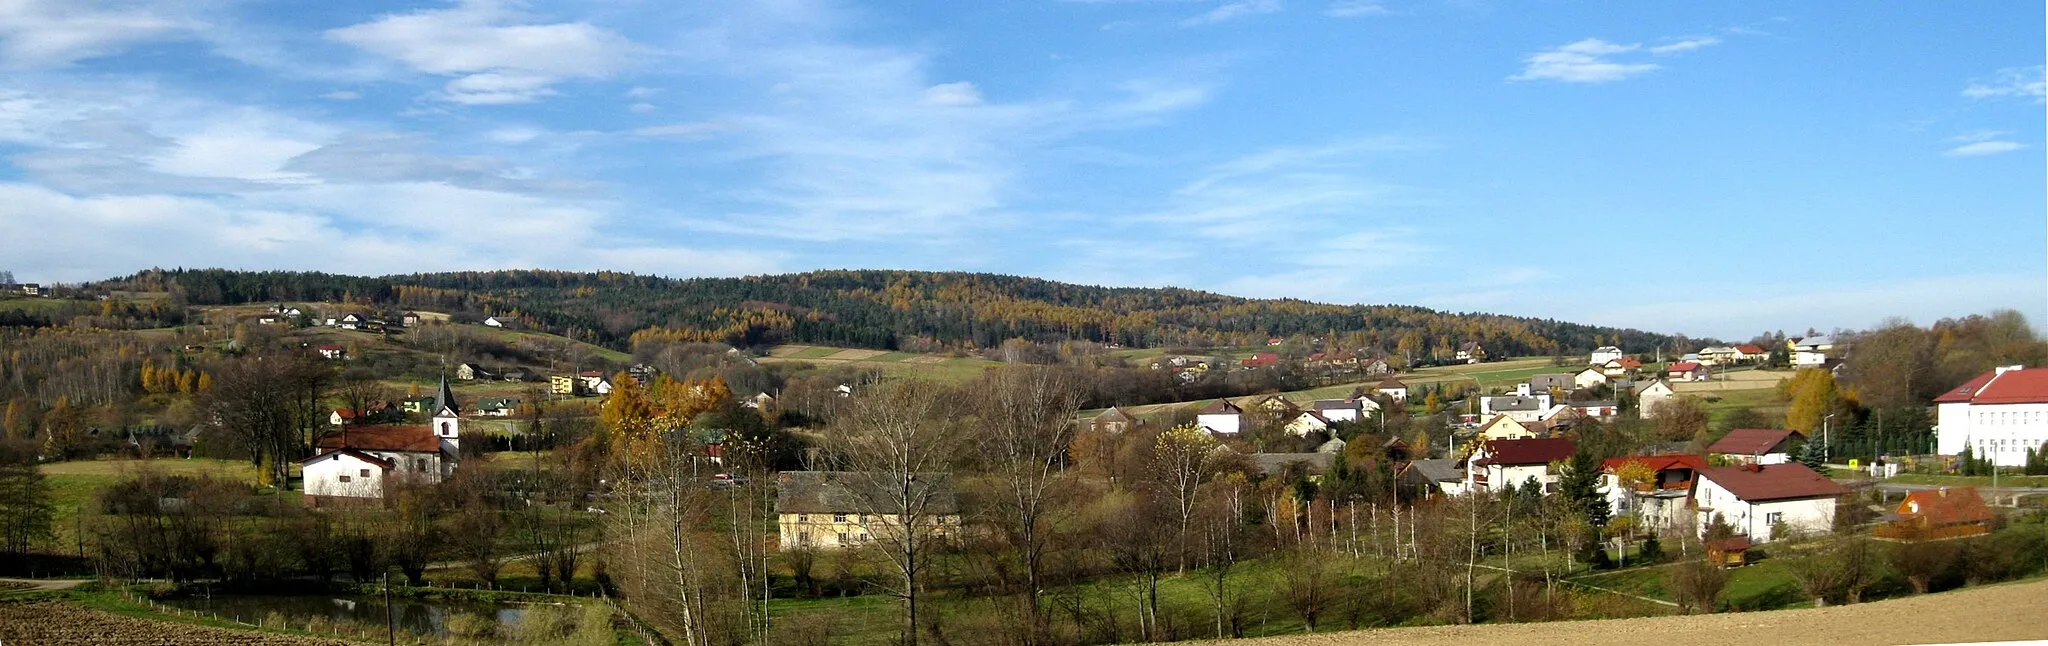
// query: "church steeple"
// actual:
[[447, 416], [444, 402]]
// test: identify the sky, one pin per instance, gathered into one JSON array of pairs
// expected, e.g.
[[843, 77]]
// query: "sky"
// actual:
[[1714, 169]]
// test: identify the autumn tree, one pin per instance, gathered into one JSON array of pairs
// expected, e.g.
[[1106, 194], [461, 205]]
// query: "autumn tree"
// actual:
[[1696, 584], [1181, 462], [20, 423], [1026, 416], [1680, 418], [897, 445], [1811, 392]]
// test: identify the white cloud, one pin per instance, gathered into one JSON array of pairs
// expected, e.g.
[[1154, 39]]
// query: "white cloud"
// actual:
[[46, 33], [953, 94], [1979, 135], [1586, 61], [342, 95], [641, 108], [1983, 148], [1685, 45], [2024, 82], [498, 56], [1234, 10], [691, 130], [1356, 9]]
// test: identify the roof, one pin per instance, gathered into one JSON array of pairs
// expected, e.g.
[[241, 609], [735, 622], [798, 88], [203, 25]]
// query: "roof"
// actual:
[[1683, 366], [1309, 413], [1546, 380], [1758, 483], [2002, 386], [1534, 450], [1110, 414], [1946, 506], [1392, 383], [1734, 543], [381, 462], [1443, 470], [410, 438], [330, 347], [1752, 441], [345, 413], [1817, 340], [445, 398], [1335, 404], [1220, 407], [835, 492], [1645, 385], [1657, 462], [1276, 463], [1747, 348], [497, 402], [1513, 402]]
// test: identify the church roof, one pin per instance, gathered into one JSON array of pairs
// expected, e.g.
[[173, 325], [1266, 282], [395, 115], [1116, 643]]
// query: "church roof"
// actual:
[[383, 437], [445, 399]]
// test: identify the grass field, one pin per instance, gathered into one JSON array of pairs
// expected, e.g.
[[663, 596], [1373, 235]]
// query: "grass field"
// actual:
[[1766, 585], [893, 365], [73, 485]]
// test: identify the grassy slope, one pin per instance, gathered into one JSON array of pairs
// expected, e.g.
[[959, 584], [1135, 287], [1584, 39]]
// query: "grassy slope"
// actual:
[[895, 365], [73, 485]]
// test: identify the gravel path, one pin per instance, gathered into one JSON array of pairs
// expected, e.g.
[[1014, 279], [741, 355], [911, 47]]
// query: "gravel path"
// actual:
[[1991, 613]]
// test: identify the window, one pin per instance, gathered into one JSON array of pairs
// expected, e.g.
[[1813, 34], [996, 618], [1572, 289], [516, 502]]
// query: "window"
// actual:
[[344, 477], [364, 472], [803, 519], [839, 518], [803, 538], [1774, 518], [419, 464], [842, 539]]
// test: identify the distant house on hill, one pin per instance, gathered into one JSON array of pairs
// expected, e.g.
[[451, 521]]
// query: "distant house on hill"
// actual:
[[410, 319], [505, 322], [1756, 445], [1687, 371], [1471, 352], [1113, 420], [1499, 464], [355, 465], [471, 372], [1651, 393], [1394, 389], [1604, 354], [1221, 417], [332, 351], [1590, 377]]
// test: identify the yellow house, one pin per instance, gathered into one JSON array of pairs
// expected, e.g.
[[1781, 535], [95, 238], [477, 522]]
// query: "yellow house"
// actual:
[[830, 510], [1502, 427], [562, 385]]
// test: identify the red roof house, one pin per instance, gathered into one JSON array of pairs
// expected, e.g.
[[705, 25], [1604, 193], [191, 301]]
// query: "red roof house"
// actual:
[[1948, 512], [1755, 483], [1526, 451], [383, 437], [1757, 445], [2001, 386]]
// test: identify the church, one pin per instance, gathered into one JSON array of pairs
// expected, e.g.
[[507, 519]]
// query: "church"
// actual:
[[352, 466]]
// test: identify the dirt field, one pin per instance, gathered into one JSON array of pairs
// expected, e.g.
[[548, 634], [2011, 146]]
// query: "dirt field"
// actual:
[[62, 623], [1993, 613]]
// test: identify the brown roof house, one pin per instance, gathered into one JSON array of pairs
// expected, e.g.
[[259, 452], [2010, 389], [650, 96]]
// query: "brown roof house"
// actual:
[[1947, 512], [1756, 445], [832, 510], [1762, 501], [354, 464]]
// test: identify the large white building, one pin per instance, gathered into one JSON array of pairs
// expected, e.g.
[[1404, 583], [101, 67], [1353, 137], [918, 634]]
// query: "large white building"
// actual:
[[1604, 354], [1221, 417], [356, 463], [1500, 464], [2000, 415], [1758, 500]]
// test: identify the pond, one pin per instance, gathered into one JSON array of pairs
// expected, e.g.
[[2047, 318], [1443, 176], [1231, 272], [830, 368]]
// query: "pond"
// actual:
[[420, 617]]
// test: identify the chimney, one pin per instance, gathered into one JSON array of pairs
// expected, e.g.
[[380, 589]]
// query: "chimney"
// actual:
[[2005, 369], [1753, 467]]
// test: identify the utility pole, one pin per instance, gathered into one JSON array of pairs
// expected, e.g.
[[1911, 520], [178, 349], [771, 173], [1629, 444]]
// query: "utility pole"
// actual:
[[390, 627]]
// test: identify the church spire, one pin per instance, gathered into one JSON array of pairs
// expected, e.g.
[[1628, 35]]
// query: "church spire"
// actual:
[[446, 399]]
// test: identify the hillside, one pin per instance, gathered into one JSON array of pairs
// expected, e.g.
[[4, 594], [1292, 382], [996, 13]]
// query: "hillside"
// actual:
[[891, 310]]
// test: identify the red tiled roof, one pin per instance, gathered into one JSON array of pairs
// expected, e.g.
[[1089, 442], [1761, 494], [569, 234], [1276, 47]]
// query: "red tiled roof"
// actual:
[[1752, 441], [345, 413], [1750, 349], [2024, 386], [1772, 482], [1683, 366], [1392, 383], [1734, 543], [1629, 362], [383, 437], [1656, 462], [1949, 506], [1534, 450]]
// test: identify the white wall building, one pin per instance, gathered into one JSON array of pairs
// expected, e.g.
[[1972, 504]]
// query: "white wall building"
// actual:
[[1605, 354], [356, 463], [1498, 464], [2000, 415], [1756, 499], [1221, 417]]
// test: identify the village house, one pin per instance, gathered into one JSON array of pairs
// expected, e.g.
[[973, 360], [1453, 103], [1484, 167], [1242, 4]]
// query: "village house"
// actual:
[[332, 351], [351, 321], [471, 372], [1660, 501], [515, 375], [497, 406], [1113, 420], [1344, 410], [1394, 390], [1526, 405], [410, 319], [31, 290], [1499, 464], [1756, 445], [1260, 360], [765, 401], [1591, 377], [1221, 417], [341, 417], [505, 322], [595, 383], [1651, 393], [831, 510], [1471, 352], [564, 385], [1426, 478], [1750, 353], [1550, 382], [1622, 367], [1756, 500], [1376, 367], [353, 465], [1598, 409], [1948, 512], [1999, 415], [1718, 355], [1275, 404], [1687, 371], [1604, 354], [1302, 423], [420, 405], [1811, 351]]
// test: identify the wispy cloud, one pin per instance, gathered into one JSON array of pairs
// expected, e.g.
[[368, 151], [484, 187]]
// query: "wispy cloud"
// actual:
[[46, 33], [1593, 60], [1356, 9], [2022, 82], [1234, 10], [497, 55], [1983, 148]]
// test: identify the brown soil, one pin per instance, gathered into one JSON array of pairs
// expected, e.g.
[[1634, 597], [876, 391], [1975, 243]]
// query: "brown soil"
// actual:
[[63, 623], [2006, 612]]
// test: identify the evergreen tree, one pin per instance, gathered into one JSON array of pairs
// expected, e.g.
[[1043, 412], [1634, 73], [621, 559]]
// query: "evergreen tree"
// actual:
[[1580, 486], [1811, 457]]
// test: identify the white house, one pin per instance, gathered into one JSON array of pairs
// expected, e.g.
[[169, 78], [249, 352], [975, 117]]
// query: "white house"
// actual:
[[1756, 445], [1651, 393], [1604, 354], [1525, 406], [1662, 502], [506, 322], [1588, 378], [1812, 351], [1394, 389], [595, 383], [1757, 499], [332, 351], [1221, 417], [1497, 464], [355, 463], [1344, 410], [1306, 422], [2000, 415]]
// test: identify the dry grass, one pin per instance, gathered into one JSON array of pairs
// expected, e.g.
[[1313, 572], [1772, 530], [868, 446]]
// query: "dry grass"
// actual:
[[1992, 613], [63, 623]]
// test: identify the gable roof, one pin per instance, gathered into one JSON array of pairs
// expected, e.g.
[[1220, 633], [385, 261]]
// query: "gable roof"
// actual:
[[834, 492], [1683, 366], [2009, 386], [1759, 483], [1533, 450], [1438, 470], [380, 462], [1336, 404], [1514, 402], [1748, 348], [409, 438], [1111, 414], [1220, 407], [1945, 506], [1546, 380], [1392, 383], [1752, 441], [1646, 385], [1656, 462]]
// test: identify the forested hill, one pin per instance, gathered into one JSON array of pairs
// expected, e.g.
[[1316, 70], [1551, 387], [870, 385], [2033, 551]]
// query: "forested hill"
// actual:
[[889, 309]]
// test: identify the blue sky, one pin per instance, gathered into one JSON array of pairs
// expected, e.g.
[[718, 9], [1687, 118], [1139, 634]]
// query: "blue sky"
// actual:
[[1707, 168]]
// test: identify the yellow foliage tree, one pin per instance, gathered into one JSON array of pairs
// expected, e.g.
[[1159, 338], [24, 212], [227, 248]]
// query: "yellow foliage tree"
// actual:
[[1812, 393]]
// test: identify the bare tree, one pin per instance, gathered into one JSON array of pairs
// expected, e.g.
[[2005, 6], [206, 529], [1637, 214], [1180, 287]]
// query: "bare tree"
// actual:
[[1181, 461], [897, 446], [359, 390], [1922, 562], [1027, 416], [1696, 584]]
